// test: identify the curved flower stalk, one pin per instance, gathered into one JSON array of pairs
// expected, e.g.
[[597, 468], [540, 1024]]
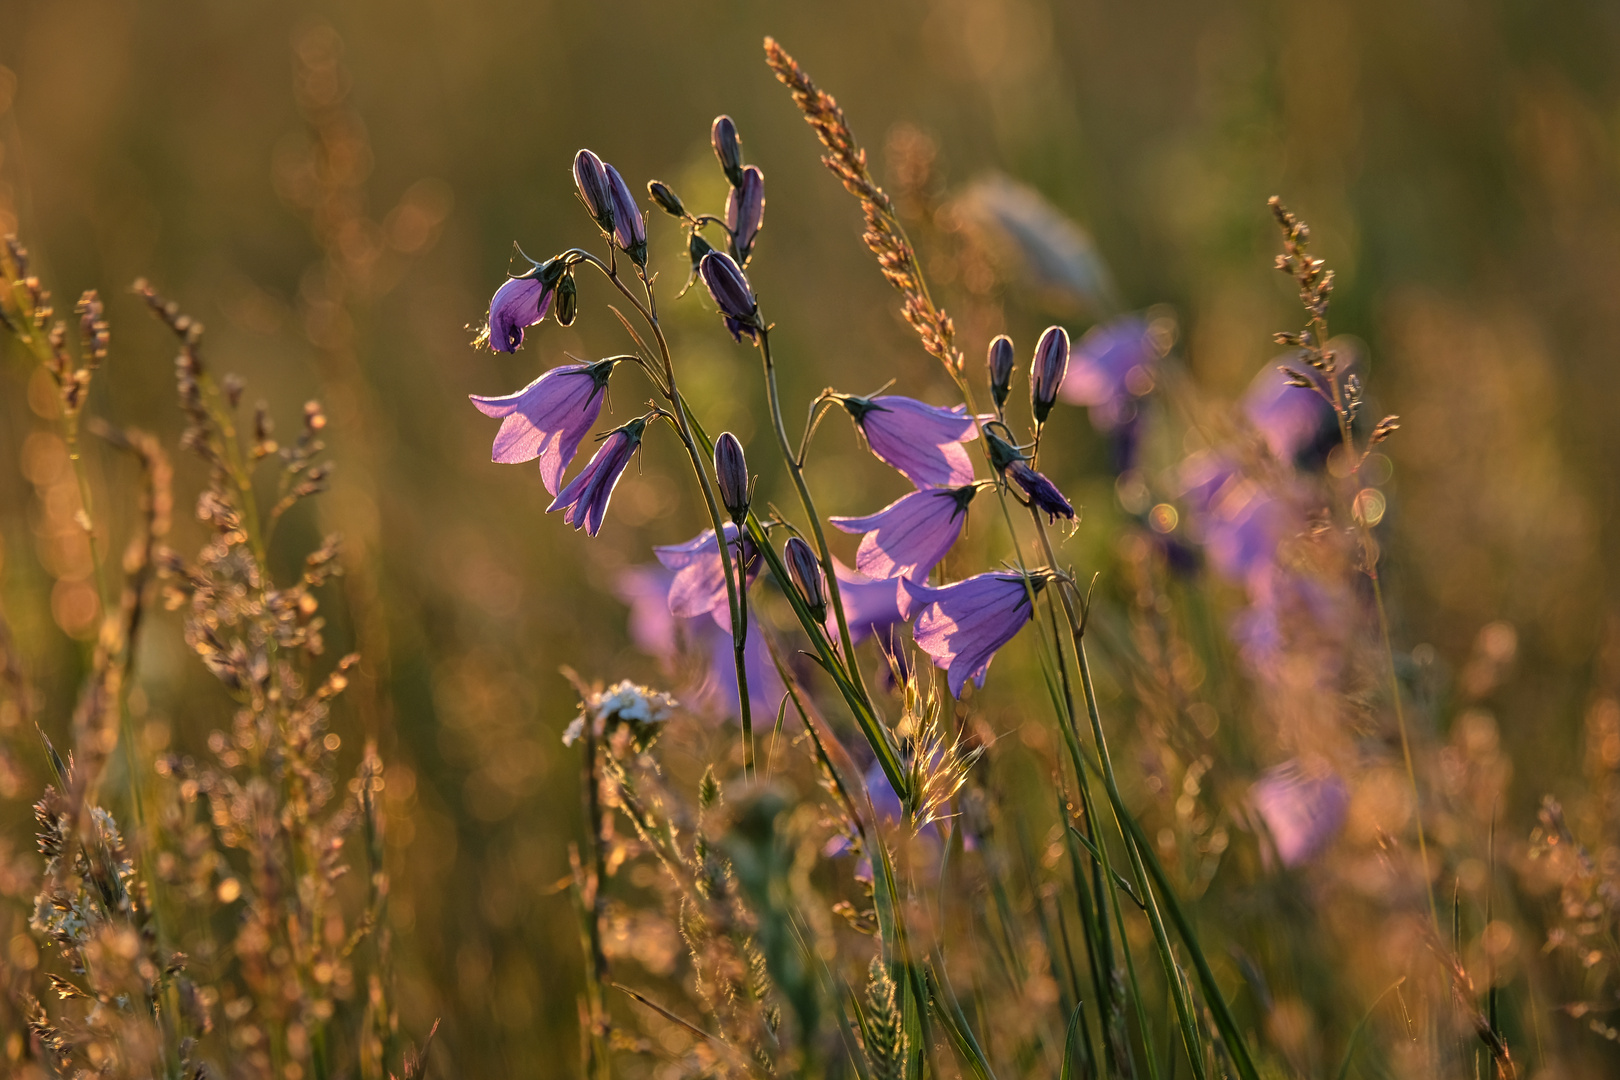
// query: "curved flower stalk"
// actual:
[[923, 442], [584, 501], [910, 536], [548, 418]]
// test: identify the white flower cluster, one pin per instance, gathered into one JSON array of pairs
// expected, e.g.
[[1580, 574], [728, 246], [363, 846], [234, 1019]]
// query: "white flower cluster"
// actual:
[[623, 702]]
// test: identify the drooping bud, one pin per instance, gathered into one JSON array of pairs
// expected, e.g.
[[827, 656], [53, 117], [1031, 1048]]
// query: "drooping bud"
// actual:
[[745, 211], [669, 202], [1001, 362], [807, 576], [567, 300], [728, 148], [731, 294], [1047, 370], [590, 176], [629, 227], [731, 470]]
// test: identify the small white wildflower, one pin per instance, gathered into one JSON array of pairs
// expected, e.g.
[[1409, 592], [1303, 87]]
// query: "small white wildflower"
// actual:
[[624, 702]]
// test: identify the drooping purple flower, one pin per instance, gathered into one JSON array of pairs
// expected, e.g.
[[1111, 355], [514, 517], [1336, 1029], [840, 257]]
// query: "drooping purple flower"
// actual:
[[963, 624], [765, 687], [1291, 419], [727, 148], [1303, 808], [1046, 371], [585, 500], [1042, 494], [731, 294], [731, 476], [872, 606], [548, 418], [629, 227], [805, 570], [921, 441], [590, 177], [911, 535], [1000, 362], [1238, 521], [699, 585], [519, 303], [745, 211]]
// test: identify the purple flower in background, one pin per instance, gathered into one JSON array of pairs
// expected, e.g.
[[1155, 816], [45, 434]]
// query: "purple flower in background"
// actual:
[[590, 177], [652, 627], [911, 535], [963, 624], [921, 441], [1042, 494], [629, 227], [1289, 418], [1302, 807], [765, 687], [745, 211], [872, 606], [699, 583], [1046, 371], [548, 418], [585, 499], [1238, 521], [1111, 367], [731, 294], [519, 303]]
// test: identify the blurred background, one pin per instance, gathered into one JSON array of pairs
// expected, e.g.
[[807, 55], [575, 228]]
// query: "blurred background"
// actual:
[[334, 189]]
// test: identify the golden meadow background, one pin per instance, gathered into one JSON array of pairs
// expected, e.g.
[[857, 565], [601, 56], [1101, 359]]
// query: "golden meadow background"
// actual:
[[1459, 164]]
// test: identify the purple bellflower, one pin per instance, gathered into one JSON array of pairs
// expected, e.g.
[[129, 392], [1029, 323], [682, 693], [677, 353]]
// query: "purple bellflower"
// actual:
[[745, 211], [699, 583], [1109, 370], [584, 501], [1012, 463], [1291, 419], [873, 606], [548, 418], [653, 628], [629, 227], [590, 177], [1046, 371], [911, 535], [765, 687], [519, 303], [1238, 521], [731, 294], [1302, 807], [963, 624], [921, 441]]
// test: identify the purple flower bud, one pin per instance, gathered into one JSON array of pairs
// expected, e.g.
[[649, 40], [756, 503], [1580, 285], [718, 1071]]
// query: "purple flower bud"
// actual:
[[590, 177], [567, 300], [669, 202], [1302, 809], [731, 294], [548, 418], [921, 441], [1047, 370], [731, 472], [629, 227], [1001, 363], [728, 148], [585, 499], [911, 535], [520, 302], [962, 625], [1041, 493], [807, 576], [745, 211]]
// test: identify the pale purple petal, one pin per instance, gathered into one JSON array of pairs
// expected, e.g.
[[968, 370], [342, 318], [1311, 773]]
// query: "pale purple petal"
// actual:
[[546, 419], [585, 499], [518, 303], [652, 627], [921, 441], [699, 583], [962, 625], [871, 605], [1303, 808], [1288, 418], [911, 535]]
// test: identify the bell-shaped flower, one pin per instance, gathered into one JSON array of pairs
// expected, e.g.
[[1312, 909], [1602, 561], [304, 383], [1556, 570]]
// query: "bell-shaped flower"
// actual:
[[731, 294], [519, 303], [963, 624], [1111, 368], [872, 606], [1302, 806], [745, 211], [921, 441], [548, 418], [699, 585], [629, 227], [584, 501], [911, 535]]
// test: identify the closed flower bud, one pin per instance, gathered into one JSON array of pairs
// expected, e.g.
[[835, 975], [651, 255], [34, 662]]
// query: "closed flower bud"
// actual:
[[745, 211], [731, 470], [629, 227], [728, 148], [806, 573], [567, 300], [731, 294], [1047, 370], [1001, 363], [669, 202], [590, 176]]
